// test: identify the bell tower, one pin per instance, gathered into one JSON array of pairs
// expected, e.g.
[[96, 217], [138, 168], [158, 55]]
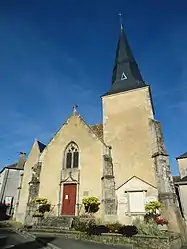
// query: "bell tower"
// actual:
[[136, 138], [127, 108]]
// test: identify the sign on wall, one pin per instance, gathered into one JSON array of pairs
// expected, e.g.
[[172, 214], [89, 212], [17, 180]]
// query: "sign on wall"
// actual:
[[8, 200]]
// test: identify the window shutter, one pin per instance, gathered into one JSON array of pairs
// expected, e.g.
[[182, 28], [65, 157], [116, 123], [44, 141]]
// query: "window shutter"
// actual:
[[76, 159], [68, 160]]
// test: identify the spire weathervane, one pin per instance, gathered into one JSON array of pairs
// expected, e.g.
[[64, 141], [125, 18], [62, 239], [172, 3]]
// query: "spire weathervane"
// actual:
[[121, 20]]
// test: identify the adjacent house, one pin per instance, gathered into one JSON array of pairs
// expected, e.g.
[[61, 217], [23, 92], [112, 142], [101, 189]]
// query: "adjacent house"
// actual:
[[181, 183], [10, 177]]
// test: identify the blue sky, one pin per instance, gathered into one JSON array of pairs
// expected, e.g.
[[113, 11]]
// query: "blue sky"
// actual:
[[57, 53]]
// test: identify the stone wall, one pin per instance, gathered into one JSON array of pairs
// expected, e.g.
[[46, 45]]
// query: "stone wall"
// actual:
[[50, 222], [108, 188], [33, 193], [137, 241], [161, 160], [165, 182]]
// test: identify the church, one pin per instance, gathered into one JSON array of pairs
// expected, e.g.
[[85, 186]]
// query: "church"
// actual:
[[122, 161]]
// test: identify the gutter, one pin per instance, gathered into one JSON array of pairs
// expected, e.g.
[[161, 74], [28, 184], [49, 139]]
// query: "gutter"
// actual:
[[181, 183]]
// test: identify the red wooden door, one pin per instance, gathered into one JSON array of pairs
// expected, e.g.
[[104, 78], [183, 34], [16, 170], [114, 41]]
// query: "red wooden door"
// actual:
[[69, 199]]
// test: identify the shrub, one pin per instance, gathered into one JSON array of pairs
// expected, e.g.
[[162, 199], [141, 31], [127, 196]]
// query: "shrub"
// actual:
[[114, 227], [82, 224], [91, 204], [153, 207], [39, 200], [37, 215], [97, 230], [43, 206], [128, 231], [147, 228]]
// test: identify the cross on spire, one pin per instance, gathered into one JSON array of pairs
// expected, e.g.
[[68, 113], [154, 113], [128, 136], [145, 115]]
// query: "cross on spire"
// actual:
[[75, 108], [121, 20], [126, 74]]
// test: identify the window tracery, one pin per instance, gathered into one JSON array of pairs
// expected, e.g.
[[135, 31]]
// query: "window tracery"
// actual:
[[72, 156]]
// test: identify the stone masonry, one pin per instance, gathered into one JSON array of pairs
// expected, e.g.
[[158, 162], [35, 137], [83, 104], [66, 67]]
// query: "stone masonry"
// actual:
[[162, 167], [33, 192], [165, 183], [108, 185]]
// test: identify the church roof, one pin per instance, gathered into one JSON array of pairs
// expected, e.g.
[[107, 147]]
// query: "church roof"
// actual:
[[126, 75], [41, 146], [98, 130], [184, 155]]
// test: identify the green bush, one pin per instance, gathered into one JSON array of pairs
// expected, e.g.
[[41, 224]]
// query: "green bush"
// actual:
[[82, 224], [91, 204], [44, 208], [147, 228], [153, 207], [114, 227]]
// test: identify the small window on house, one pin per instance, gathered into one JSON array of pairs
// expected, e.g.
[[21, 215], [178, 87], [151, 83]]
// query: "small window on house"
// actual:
[[136, 201], [72, 156]]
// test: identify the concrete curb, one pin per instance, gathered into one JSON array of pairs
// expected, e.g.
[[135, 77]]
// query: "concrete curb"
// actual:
[[29, 235]]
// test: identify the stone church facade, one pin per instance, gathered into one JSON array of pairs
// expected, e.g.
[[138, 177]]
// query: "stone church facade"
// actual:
[[122, 161]]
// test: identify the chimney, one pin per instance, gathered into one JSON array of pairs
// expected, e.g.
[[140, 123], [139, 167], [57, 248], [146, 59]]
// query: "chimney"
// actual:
[[21, 161]]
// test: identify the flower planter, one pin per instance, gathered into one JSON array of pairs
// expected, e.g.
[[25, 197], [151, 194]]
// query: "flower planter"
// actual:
[[163, 227]]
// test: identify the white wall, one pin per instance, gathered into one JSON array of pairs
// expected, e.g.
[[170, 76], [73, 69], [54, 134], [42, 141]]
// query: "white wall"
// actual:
[[126, 205]]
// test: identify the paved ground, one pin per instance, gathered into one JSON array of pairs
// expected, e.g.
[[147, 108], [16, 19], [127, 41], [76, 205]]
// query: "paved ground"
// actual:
[[60, 242], [16, 241]]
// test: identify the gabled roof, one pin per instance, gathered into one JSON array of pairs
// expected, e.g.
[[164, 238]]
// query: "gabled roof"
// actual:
[[184, 155], [182, 181], [138, 179], [98, 129], [41, 146], [10, 166]]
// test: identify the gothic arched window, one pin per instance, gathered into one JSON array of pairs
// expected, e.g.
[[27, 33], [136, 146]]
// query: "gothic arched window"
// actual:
[[72, 156]]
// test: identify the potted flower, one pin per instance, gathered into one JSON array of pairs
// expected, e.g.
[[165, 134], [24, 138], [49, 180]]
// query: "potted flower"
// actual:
[[161, 222], [153, 210], [43, 206], [91, 204]]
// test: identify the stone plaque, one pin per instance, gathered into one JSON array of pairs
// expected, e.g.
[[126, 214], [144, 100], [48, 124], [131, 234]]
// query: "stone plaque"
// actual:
[[123, 200]]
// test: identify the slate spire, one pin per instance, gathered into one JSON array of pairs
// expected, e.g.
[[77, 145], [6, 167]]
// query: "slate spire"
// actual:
[[126, 75]]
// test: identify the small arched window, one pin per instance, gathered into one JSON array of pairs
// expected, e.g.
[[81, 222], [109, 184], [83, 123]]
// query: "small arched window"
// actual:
[[72, 156]]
